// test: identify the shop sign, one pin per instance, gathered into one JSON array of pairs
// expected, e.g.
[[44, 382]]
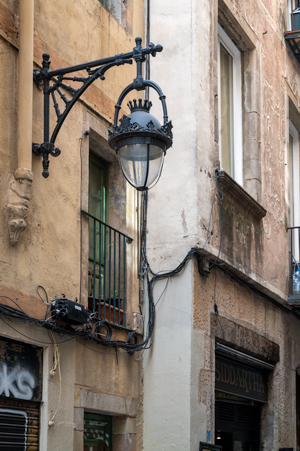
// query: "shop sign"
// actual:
[[20, 370], [241, 380]]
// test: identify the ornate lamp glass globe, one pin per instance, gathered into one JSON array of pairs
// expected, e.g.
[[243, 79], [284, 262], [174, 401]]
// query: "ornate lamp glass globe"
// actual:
[[141, 144]]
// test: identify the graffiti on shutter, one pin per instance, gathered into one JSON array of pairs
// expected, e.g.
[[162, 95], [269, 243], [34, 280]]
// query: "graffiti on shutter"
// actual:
[[20, 370]]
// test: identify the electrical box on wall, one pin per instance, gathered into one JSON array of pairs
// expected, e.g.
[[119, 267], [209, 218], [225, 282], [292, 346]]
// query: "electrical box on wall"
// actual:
[[69, 311]]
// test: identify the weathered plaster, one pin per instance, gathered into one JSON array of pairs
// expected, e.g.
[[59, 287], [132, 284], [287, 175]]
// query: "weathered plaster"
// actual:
[[256, 251], [51, 251]]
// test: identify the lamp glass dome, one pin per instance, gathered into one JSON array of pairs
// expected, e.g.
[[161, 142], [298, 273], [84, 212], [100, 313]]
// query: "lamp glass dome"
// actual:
[[141, 164]]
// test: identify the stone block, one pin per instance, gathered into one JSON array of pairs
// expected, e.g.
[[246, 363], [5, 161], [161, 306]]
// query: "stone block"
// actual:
[[124, 426], [124, 442], [252, 170], [244, 339], [78, 441], [252, 92], [78, 418], [252, 126], [110, 404], [216, 130]]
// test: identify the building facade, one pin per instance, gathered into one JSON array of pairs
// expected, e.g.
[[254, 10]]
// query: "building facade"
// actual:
[[224, 364], [70, 237], [222, 244]]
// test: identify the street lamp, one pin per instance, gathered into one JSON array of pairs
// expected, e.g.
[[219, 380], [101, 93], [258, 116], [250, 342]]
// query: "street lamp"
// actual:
[[140, 140]]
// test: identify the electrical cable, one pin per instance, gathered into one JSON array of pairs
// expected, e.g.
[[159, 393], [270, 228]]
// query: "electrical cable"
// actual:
[[91, 330], [163, 292], [56, 357], [37, 290]]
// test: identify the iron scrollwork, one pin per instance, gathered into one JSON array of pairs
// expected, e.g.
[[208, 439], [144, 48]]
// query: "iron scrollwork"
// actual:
[[55, 84]]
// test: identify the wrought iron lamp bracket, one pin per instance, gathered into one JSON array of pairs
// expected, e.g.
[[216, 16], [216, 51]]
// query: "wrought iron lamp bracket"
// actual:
[[55, 83]]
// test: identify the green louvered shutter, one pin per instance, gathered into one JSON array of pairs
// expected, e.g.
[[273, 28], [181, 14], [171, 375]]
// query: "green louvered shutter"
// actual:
[[97, 432]]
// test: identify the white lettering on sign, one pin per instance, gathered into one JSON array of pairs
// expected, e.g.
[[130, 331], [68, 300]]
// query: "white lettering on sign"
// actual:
[[17, 382]]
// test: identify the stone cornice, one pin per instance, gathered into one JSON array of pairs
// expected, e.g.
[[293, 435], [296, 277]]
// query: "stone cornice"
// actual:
[[241, 196]]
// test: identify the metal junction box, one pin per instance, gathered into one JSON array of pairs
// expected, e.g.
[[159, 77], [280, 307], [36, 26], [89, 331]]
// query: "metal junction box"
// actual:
[[69, 311]]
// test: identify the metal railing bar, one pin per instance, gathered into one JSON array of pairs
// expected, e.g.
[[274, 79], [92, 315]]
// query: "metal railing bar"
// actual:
[[94, 268], [124, 275], [109, 281], [104, 275], [119, 279], [100, 265], [107, 295], [114, 276], [115, 230]]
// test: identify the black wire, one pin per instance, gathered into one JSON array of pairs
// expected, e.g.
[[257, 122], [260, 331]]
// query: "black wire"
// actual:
[[100, 352], [6, 297], [37, 290], [30, 338], [90, 331]]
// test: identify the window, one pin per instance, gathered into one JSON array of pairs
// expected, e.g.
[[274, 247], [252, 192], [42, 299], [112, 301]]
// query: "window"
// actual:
[[230, 107], [291, 5], [97, 187], [294, 186], [114, 7], [97, 432], [107, 245], [97, 209]]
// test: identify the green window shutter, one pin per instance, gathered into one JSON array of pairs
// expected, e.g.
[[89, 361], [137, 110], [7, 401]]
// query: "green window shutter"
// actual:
[[97, 432], [103, 2], [98, 191], [97, 187]]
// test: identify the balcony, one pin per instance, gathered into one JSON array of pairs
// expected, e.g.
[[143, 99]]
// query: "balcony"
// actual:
[[293, 36], [294, 267], [107, 271]]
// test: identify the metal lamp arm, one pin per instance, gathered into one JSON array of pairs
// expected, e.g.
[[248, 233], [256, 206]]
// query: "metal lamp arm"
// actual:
[[45, 77], [152, 50], [99, 73]]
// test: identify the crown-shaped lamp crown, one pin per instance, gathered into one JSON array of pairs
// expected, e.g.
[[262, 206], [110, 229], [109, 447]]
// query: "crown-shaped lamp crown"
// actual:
[[139, 106]]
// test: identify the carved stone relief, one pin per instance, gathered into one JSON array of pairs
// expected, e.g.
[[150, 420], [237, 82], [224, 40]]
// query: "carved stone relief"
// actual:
[[19, 195]]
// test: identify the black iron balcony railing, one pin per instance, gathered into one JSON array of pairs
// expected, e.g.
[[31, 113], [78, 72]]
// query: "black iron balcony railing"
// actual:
[[107, 271], [294, 265], [293, 36]]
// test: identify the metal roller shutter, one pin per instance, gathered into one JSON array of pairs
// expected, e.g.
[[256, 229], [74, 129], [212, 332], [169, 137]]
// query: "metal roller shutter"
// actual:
[[19, 425]]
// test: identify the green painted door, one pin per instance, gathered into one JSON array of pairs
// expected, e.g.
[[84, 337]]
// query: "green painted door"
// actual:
[[97, 432], [97, 208]]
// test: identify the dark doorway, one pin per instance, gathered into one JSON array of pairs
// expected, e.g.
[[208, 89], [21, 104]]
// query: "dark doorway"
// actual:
[[237, 426]]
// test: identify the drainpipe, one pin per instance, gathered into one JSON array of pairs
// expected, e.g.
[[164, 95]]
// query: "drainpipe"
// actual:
[[20, 183]]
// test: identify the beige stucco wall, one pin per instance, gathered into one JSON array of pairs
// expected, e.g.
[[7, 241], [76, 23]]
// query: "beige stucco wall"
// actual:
[[55, 204], [49, 251], [183, 200]]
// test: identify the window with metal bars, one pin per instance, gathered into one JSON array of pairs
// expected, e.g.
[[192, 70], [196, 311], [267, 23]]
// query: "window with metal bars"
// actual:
[[97, 432], [107, 251]]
